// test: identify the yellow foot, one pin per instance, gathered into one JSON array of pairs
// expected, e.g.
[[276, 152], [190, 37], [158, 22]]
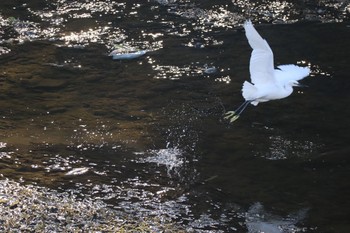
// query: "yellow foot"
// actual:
[[231, 115]]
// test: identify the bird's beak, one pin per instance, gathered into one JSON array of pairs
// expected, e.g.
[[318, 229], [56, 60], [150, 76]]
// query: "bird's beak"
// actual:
[[297, 84], [302, 85]]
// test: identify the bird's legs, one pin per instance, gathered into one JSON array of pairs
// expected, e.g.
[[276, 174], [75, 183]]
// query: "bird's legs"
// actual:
[[234, 115]]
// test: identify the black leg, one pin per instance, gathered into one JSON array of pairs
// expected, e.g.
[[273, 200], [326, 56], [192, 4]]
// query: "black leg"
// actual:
[[241, 108]]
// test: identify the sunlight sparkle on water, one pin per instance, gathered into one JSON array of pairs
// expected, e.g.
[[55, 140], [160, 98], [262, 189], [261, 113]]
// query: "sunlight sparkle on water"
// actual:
[[281, 148], [225, 79], [75, 8], [279, 11], [316, 70], [206, 20], [80, 136], [174, 72]]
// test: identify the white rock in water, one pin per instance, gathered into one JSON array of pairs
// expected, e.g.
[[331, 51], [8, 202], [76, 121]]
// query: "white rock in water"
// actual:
[[116, 55], [3, 144], [77, 171], [210, 70]]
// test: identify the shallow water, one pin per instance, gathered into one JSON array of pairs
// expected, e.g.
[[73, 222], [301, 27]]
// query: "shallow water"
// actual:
[[147, 135]]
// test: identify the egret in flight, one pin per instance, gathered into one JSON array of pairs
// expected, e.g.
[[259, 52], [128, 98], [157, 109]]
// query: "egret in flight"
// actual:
[[267, 83]]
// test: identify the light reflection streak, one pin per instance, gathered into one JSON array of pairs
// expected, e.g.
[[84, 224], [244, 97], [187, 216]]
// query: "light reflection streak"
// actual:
[[174, 72], [83, 38]]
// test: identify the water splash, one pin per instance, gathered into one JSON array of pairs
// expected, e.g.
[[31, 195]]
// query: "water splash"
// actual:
[[171, 158]]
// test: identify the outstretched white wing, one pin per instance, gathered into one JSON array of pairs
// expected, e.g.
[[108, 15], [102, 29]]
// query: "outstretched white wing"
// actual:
[[286, 73], [261, 61]]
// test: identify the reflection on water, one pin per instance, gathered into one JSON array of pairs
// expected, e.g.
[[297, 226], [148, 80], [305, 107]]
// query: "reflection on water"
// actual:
[[146, 136], [276, 11], [175, 72], [279, 147], [258, 220]]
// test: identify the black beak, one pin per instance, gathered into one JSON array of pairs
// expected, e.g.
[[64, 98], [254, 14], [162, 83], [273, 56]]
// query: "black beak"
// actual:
[[302, 85]]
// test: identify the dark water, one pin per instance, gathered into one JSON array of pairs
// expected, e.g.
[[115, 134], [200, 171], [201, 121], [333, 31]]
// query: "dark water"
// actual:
[[148, 133]]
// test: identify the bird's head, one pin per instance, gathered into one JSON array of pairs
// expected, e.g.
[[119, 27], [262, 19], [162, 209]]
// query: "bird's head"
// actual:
[[290, 84]]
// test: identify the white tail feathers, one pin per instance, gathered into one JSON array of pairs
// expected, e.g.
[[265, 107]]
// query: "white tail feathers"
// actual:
[[249, 91]]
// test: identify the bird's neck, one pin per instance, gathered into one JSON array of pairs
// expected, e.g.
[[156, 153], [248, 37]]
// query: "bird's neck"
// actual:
[[288, 89]]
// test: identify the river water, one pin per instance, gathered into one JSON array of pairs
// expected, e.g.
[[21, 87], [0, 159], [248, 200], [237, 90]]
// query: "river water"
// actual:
[[147, 135]]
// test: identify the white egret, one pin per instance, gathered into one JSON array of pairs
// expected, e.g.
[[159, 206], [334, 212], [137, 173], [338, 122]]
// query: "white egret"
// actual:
[[267, 83]]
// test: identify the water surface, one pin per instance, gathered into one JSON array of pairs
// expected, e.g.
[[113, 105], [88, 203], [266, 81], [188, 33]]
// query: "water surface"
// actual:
[[147, 137]]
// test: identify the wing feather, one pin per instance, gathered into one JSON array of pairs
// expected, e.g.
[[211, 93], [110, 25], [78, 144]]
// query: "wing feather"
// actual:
[[291, 72], [261, 61]]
